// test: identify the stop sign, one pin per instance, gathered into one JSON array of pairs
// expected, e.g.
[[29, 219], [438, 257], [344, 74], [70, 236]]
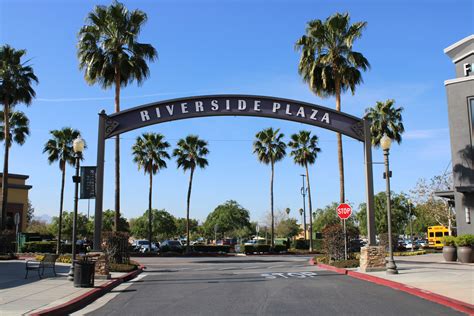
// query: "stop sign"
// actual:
[[344, 211]]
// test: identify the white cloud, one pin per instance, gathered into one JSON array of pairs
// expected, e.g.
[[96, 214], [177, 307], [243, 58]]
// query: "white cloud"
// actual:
[[425, 133]]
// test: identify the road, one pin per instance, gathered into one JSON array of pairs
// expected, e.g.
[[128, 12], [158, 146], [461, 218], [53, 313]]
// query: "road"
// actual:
[[253, 285]]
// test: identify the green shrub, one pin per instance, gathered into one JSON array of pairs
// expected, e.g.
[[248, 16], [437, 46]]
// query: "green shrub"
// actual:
[[409, 253], [323, 260], [351, 263], [65, 258], [465, 240], [255, 248], [7, 242], [301, 244], [279, 248], [115, 245], [333, 242], [39, 246], [449, 240], [122, 267], [318, 245]]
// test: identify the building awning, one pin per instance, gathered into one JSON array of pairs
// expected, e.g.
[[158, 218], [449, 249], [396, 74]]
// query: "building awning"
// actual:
[[445, 194], [465, 189]]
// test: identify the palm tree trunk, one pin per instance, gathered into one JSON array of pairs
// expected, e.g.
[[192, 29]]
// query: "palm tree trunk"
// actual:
[[187, 209], [271, 207], [149, 211], [340, 156], [61, 202], [6, 120], [310, 210], [117, 153]]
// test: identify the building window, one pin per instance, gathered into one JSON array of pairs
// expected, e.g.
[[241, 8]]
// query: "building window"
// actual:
[[471, 115]]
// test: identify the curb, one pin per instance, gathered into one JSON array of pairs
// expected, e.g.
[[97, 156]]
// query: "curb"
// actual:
[[425, 294], [87, 298]]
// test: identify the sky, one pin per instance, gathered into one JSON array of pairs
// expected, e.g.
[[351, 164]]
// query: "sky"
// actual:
[[237, 47]]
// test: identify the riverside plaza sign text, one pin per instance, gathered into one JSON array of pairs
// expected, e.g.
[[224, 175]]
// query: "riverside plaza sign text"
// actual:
[[234, 105]]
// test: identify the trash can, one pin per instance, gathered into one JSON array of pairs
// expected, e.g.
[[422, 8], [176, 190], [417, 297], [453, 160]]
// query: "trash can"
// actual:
[[84, 273]]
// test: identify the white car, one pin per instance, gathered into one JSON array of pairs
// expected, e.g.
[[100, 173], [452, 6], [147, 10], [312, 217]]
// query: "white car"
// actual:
[[146, 248]]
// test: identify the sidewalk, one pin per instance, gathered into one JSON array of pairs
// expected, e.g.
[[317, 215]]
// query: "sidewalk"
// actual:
[[430, 272], [20, 296]]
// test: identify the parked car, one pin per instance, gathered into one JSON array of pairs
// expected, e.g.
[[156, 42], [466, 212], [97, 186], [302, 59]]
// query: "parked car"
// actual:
[[408, 244], [171, 245], [422, 243], [137, 244], [146, 247]]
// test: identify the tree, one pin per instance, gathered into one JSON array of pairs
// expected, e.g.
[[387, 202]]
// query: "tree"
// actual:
[[30, 210], [230, 219], [110, 54], [288, 228], [181, 224], [400, 213], [16, 79], [190, 153], [327, 216], [429, 209], [149, 153], [39, 227], [82, 226], [270, 148], [163, 225], [59, 149], [305, 151], [329, 65], [108, 217], [386, 119]]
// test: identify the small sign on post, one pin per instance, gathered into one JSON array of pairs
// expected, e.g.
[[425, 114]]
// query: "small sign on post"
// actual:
[[88, 181], [344, 211]]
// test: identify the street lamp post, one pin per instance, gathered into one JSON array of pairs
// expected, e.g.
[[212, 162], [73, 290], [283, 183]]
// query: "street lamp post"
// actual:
[[303, 193], [78, 147], [385, 143]]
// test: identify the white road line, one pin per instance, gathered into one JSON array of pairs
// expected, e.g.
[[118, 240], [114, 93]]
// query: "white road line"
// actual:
[[280, 266], [139, 277], [255, 267], [228, 268], [204, 269]]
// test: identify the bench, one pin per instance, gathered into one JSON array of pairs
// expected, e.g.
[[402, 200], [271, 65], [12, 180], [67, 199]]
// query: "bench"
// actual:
[[48, 261]]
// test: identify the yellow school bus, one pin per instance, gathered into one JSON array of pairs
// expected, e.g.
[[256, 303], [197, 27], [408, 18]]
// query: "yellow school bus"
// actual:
[[435, 236]]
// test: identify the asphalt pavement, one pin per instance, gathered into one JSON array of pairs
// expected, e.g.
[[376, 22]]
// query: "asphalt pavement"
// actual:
[[253, 285]]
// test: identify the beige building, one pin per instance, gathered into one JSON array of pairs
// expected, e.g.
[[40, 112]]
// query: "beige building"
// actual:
[[17, 199]]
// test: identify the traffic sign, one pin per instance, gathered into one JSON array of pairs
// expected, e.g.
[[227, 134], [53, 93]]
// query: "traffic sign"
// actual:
[[344, 211]]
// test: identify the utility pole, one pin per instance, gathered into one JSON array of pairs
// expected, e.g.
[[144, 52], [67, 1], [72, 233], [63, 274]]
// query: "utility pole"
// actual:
[[303, 193]]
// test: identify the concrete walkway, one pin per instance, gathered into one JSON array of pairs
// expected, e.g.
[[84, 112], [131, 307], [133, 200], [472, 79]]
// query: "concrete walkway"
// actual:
[[19, 296], [430, 272]]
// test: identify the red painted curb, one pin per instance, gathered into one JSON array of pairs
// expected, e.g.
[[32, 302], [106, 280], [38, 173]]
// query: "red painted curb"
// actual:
[[425, 294], [87, 298], [328, 267]]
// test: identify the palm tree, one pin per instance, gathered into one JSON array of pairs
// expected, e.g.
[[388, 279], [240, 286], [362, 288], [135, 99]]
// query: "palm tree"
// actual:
[[329, 65], [149, 152], [16, 79], [269, 148], [110, 55], [19, 127], [304, 152], [190, 153], [59, 149], [386, 119]]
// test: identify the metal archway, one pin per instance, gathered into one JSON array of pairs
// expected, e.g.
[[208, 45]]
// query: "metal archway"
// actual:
[[232, 105]]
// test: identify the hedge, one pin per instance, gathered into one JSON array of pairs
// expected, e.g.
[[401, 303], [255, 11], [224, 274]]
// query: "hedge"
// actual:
[[45, 247], [211, 248], [255, 248]]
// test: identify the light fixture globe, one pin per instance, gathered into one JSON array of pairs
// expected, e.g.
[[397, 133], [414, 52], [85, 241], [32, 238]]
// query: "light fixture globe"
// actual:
[[78, 145], [287, 211], [301, 211], [385, 142]]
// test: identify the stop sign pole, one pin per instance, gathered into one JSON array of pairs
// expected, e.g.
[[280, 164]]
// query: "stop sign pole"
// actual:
[[344, 211]]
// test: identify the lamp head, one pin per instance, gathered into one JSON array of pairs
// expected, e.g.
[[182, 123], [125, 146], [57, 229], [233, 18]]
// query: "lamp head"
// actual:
[[78, 145], [287, 210], [385, 142], [301, 211]]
